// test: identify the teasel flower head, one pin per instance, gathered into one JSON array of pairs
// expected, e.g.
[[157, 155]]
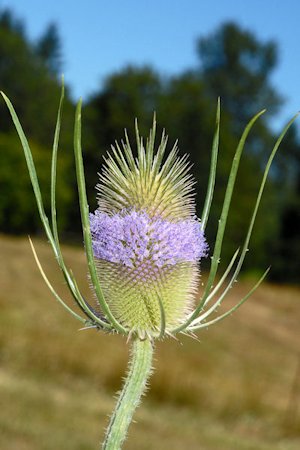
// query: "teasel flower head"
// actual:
[[147, 240]]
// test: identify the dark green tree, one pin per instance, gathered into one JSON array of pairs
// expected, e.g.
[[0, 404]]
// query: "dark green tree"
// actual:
[[8, 21], [35, 93], [17, 204], [48, 48], [188, 114], [25, 76], [131, 93], [236, 66], [286, 248]]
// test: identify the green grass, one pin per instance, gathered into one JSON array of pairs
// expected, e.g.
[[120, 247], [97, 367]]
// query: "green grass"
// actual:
[[238, 388]]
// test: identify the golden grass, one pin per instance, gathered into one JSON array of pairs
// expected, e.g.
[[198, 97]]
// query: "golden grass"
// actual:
[[238, 388]]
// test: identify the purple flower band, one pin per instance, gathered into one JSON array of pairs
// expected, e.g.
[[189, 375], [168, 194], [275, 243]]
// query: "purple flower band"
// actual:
[[132, 237]]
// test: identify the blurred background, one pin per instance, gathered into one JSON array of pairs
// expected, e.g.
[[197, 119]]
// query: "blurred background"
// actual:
[[239, 387]]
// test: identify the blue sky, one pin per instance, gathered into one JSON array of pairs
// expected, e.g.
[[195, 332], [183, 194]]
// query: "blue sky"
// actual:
[[100, 37]]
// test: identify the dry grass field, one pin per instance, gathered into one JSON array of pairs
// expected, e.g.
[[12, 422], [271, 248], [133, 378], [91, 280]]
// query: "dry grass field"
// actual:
[[236, 389]]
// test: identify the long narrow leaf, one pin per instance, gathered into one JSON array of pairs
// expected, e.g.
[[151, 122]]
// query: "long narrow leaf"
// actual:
[[251, 224], [257, 203], [227, 202], [212, 173], [38, 196], [215, 291], [54, 166], [96, 321], [223, 220], [51, 288], [32, 172], [227, 313], [260, 193], [88, 310], [84, 211]]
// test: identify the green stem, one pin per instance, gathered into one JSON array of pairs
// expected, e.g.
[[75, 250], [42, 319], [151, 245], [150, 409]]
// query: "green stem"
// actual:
[[139, 370]]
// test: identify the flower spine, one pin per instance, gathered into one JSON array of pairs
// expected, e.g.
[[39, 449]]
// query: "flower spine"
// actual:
[[147, 240]]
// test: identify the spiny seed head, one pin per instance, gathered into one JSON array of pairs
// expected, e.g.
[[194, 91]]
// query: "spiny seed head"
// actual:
[[147, 241]]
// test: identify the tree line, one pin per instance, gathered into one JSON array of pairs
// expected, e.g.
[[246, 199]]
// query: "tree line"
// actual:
[[232, 64]]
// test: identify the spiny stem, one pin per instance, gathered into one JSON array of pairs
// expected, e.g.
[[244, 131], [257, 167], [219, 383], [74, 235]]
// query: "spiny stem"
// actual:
[[139, 370]]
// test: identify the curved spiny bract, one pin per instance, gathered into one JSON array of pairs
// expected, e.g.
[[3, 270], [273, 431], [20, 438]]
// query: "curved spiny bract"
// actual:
[[84, 213], [196, 321]]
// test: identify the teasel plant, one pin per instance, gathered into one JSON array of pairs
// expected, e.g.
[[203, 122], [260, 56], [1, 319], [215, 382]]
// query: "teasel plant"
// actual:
[[143, 247]]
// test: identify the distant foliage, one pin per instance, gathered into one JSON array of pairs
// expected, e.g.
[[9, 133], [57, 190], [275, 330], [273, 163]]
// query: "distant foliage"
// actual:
[[17, 206], [48, 48], [25, 76], [237, 67], [233, 64]]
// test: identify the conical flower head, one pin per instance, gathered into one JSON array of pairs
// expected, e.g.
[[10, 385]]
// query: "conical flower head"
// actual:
[[147, 240]]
